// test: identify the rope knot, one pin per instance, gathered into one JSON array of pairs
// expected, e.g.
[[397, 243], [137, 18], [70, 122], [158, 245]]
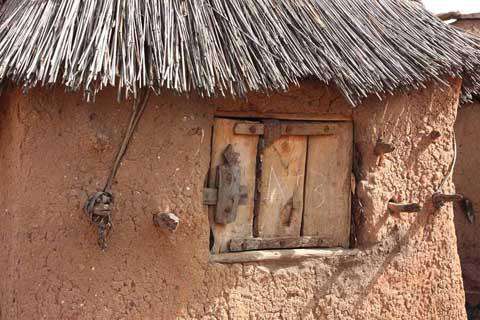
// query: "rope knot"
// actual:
[[98, 208]]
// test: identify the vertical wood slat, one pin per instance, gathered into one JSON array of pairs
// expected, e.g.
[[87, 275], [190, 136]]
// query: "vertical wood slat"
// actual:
[[246, 146], [327, 187], [282, 185]]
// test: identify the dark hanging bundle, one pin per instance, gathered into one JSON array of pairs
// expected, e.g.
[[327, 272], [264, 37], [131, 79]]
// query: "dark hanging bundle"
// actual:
[[99, 205]]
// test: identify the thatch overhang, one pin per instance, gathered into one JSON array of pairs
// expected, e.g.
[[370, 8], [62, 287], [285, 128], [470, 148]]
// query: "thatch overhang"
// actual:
[[470, 24], [231, 47]]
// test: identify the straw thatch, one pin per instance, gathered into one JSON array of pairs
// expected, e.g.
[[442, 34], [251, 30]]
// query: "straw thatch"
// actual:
[[231, 46]]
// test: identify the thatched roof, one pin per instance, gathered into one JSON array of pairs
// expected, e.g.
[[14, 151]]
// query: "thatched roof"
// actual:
[[231, 46]]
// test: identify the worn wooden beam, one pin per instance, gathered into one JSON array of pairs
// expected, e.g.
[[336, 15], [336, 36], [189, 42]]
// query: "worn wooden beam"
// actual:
[[237, 245], [287, 129], [248, 128], [283, 116], [307, 129], [281, 255]]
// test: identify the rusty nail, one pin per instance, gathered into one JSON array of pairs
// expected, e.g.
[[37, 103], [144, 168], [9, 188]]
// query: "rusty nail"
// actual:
[[253, 129]]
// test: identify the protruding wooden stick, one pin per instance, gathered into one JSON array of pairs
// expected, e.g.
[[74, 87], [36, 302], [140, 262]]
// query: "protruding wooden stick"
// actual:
[[382, 148], [404, 207], [167, 221], [439, 199]]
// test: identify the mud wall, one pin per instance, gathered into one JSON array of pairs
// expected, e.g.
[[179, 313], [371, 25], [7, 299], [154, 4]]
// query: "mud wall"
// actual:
[[466, 180], [55, 149]]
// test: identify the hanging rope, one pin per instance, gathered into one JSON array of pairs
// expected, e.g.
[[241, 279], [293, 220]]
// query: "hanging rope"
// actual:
[[439, 198], [451, 168], [99, 205]]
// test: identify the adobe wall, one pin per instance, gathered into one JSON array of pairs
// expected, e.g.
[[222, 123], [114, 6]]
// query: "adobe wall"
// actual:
[[466, 180], [55, 149]]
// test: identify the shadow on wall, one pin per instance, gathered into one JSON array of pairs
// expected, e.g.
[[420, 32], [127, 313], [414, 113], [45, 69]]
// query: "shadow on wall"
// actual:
[[466, 178]]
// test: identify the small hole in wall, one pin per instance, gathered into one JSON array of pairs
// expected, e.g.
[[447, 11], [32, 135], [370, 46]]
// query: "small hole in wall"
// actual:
[[212, 240]]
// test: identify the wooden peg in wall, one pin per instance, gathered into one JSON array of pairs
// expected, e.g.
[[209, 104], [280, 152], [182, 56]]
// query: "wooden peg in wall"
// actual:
[[167, 221], [403, 207], [382, 148], [439, 199]]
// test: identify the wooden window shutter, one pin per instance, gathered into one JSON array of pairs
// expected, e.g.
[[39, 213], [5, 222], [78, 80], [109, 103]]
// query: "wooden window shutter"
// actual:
[[246, 147], [279, 184]]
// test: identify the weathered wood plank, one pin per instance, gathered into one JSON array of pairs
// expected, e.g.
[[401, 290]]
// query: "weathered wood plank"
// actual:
[[281, 255], [327, 187], [237, 245], [404, 207], [249, 128], [307, 129], [246, 146], [287, 128], [281, 191], [284, 116]]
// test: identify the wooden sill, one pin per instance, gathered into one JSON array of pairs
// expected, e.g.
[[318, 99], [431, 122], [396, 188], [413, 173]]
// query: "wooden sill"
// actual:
[[280, 255]]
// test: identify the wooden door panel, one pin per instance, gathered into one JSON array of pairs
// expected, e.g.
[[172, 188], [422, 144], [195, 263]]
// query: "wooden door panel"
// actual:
[[246, 146], [281, 188], [327, 211]]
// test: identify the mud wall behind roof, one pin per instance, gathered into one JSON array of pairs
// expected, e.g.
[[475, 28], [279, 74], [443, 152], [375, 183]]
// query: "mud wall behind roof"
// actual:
[[55, 149], [467, 182]]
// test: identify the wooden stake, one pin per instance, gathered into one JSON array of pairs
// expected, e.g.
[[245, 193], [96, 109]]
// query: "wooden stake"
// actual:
[[439, 199], [404, 207], [167, 221], [382, 148]]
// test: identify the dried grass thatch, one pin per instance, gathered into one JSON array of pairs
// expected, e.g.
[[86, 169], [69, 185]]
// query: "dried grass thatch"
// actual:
[[231, 46]]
